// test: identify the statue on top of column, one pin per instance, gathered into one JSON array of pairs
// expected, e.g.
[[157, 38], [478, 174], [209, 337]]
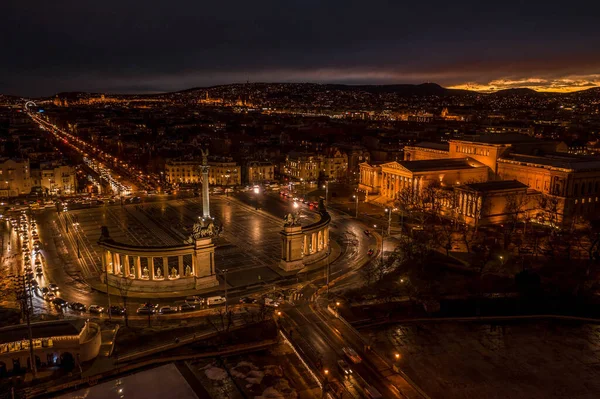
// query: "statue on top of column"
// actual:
[[204, 157]]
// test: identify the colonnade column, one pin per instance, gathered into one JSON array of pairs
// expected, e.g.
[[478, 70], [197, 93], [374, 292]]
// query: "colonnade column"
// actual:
[[104, 254], [138, 267], [114, 263], [180, 263], [165, 267], [126, 268], [151, 261]]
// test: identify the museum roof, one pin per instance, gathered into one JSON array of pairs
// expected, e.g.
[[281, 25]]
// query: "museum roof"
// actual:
[[437, 164], [498, 185], [45, 329], [555, 160], [498, 138], [433, 146]]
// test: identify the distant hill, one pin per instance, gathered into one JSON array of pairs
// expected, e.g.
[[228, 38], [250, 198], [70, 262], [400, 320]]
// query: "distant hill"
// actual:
[[401, 90], [517, 92]]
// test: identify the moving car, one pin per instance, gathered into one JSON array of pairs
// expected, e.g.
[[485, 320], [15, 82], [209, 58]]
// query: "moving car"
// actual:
[[167, 310], [60, 303], [352, 355], [150, 305], [271, 303], [367, 233], [96, 309], [50, 296], [344, 367], [53, 287], [370, 252], [247, 299]]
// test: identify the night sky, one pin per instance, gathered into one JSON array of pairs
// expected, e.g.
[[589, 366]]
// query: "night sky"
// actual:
[[129, 46]]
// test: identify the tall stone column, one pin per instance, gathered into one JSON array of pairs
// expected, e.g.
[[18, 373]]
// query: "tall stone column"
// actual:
[[180, 263], [205, 199]]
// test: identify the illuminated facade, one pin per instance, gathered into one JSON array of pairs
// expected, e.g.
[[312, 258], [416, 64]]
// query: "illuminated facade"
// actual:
[[224, 173], [572, 182], [55, 180], [15, 177], [182, 172], [258, 172], [54, 343], [307, 166]]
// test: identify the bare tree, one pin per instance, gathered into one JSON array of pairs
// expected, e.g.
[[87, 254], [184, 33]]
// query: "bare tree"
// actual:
[[515, 207], [124, 285], [550, 208]]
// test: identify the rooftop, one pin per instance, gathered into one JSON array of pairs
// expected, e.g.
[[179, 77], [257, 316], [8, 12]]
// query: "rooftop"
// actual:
[[498, 185], [45, 329], [433, 146], [498, 138], [556, 160], [438, 164]]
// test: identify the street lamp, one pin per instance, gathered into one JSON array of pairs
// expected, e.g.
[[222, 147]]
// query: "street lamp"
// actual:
[[326, 187], [389, 212], [355, 196], [23, 294], [381, 256]]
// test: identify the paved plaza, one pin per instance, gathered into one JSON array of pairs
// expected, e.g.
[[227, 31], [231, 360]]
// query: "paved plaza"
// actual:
[[535, 360], [249, 247]]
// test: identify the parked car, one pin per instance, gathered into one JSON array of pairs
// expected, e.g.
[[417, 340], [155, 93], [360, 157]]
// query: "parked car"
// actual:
[[60, 303], [77, 306], [247, 299], [215, 300], [196, 300], [116, 310], [167, 310], [150, 305], [187, 307], [96, 309], [146, 310], [344, 367]]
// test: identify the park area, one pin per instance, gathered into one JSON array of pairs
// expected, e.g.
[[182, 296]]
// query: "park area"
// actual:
[[519, 359]]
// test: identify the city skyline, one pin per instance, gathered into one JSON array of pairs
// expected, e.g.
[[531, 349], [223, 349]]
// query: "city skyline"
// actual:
[[126, 48]]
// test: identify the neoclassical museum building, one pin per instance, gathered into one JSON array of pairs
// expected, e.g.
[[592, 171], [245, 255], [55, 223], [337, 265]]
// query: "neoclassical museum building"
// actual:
[[484, 170]]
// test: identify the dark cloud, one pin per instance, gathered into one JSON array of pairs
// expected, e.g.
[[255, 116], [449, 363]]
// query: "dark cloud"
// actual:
[[162, 45]]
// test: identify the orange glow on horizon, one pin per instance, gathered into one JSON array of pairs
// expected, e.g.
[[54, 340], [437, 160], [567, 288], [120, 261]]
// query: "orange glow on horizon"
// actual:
[[558, 85]]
